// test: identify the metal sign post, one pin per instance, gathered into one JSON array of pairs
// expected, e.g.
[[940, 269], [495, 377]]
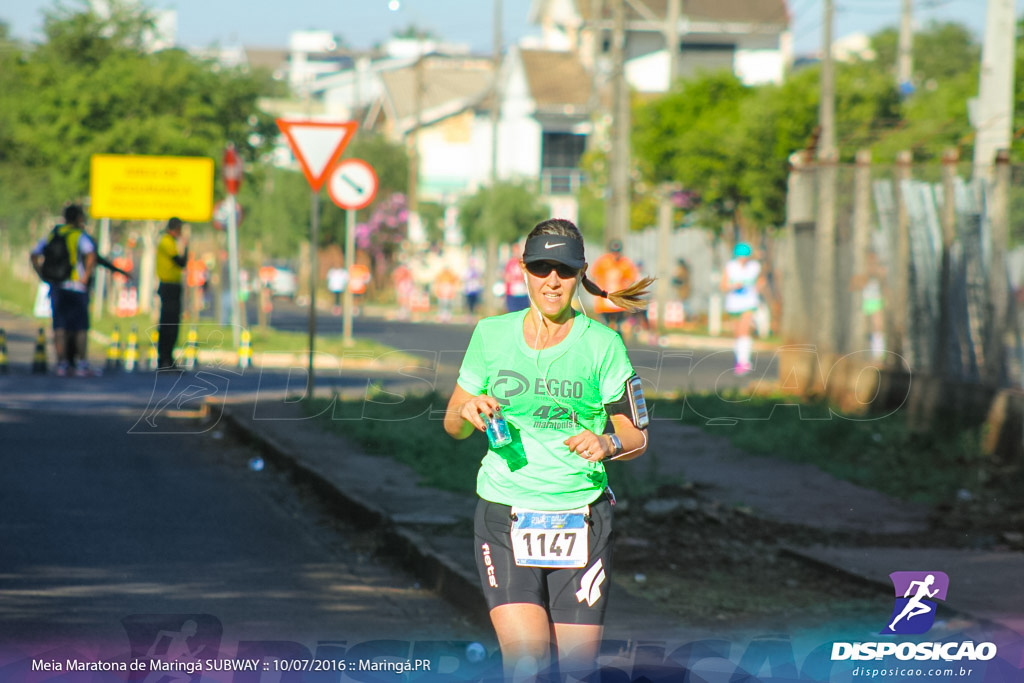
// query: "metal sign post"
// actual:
[[314, 236], [232, 182], [317, 145], [352, 186]]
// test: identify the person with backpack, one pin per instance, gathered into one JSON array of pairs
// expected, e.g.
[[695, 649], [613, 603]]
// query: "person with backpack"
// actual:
[[66, 259]]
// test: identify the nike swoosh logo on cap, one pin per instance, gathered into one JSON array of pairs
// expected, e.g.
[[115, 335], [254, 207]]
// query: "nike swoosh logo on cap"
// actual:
[[548, 245]]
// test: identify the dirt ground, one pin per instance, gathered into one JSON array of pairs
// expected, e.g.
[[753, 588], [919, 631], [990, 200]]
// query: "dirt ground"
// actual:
[[716, 564]]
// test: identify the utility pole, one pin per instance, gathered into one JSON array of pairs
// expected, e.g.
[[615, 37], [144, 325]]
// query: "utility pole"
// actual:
[[827, 105], [993, 111], [617, 209], [674, 12], [596, 50], [828, 159], [495, 94], [491, 257], [904, 60], [666, 211], [416, 234], [948, 220], [861, 244]]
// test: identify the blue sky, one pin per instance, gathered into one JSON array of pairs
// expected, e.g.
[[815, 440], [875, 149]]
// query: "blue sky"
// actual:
[[362, 23]]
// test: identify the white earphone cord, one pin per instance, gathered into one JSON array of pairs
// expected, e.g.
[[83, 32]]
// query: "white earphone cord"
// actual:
[[643, 432], [544, 373]]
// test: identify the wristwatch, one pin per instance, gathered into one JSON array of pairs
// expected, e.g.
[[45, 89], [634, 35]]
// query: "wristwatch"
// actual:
[[616, 444]]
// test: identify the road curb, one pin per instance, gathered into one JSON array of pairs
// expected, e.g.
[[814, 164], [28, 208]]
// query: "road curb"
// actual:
[[806, 555], [433, 568]]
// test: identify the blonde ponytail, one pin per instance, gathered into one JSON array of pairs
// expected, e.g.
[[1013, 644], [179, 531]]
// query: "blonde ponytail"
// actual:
[[631, 298]]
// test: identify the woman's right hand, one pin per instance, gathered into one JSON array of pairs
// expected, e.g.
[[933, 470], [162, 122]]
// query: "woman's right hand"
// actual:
[[474, 406]]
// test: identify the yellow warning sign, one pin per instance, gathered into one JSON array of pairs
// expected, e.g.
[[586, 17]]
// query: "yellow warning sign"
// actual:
[[137, 187]]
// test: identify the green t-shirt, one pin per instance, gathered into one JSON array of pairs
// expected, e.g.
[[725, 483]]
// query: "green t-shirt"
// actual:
[[547, 396]]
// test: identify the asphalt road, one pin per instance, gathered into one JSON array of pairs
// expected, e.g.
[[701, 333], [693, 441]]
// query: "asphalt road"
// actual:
[[114, 528], [121, 516], [667, 370]]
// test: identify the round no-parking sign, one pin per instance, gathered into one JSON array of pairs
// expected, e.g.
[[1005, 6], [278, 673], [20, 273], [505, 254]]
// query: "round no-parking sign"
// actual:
[[352, 184]]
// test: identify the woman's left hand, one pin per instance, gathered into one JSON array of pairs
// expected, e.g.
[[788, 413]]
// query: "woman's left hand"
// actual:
[[590, 446]]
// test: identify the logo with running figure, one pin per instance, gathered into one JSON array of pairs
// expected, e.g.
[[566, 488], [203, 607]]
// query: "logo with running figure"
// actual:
[[916, 594]]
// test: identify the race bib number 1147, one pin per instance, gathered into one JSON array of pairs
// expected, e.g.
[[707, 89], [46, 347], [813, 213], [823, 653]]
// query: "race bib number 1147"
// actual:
[[550, 539]]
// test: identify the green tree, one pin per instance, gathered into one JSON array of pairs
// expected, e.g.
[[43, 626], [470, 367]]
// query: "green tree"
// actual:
[[643, 205], [941, 52], [731, 144], [277, 203], [507, 210], [690, 137], [1017, 146], [24, 193], [390, 162], [91, 88], [776, 121]]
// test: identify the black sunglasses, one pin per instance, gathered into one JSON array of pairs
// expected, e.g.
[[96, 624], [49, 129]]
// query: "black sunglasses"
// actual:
[[544, 268]]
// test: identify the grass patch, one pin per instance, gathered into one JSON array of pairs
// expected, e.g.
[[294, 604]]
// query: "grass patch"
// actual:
[[879, 453], [18, 296], [409, 429]]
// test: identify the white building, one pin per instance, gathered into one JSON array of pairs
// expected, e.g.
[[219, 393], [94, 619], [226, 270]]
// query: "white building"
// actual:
[[748, 37], [439, 97]]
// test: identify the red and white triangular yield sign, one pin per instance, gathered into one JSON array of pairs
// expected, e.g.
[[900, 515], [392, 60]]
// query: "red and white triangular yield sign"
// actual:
[[317, 145]]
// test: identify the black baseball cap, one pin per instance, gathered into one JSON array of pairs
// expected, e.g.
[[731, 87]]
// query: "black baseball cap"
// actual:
[[558, 248]]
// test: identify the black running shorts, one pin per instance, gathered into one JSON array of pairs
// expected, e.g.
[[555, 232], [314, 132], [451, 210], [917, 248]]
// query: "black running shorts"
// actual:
[[571, 596]]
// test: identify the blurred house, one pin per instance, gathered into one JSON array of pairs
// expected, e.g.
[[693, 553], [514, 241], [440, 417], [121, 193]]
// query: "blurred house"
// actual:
[[438, 99], [546, 109], [748, 37], [437, 104]]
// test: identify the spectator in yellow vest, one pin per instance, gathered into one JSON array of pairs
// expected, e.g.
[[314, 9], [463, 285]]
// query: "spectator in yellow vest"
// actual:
[[171, 257]]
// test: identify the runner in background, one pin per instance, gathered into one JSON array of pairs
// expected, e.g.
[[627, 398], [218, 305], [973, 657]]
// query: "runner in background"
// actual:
[[473, 285], [405, 288], [446, 287], [612, 272], [70, 297], [358, 279], [741, 284], [337, 280], [872, 301], [516, 297]]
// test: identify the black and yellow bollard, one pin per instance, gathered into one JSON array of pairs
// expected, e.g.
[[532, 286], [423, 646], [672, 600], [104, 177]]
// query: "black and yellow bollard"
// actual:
[[114, 350], [152, 358], [245, 350], [131, 351], [39, 357], [4, 366], [191, 349]]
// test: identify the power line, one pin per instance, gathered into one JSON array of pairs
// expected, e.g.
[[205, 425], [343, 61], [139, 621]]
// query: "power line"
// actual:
[[809, 29], [807, 4]]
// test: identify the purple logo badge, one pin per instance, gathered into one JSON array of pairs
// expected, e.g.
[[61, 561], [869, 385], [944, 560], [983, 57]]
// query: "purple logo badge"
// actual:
[[916, 594]]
